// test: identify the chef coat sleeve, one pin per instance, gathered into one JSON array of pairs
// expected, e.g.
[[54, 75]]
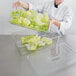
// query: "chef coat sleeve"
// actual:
[[39, 8], [66, 22]]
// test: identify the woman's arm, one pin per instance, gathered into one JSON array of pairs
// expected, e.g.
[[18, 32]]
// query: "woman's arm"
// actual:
[[65, 23], [28, 6]]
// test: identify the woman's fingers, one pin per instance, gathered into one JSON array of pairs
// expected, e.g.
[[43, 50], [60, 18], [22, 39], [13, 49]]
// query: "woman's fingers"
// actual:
[[17, 4]]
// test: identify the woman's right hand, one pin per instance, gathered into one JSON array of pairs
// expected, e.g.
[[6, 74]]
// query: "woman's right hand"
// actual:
[[21, 4], [17, 4]]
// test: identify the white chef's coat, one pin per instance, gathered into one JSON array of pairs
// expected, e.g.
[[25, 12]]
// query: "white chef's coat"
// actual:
[[63, 14]]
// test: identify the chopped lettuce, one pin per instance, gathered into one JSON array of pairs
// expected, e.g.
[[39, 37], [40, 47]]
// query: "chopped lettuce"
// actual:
[[30, 19], [33, 42]]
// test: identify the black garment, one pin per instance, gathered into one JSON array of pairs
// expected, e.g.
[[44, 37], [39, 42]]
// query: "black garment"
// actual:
[[56, 6]]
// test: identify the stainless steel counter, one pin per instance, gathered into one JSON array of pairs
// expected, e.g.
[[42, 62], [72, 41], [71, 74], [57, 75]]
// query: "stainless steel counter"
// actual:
[[12, 64]]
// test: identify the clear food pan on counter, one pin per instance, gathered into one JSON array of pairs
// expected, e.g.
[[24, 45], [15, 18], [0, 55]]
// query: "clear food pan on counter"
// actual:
[[52, 47]]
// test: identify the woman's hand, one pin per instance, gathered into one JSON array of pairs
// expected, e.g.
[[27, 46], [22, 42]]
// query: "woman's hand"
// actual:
[[55, 22], [21, 4], [17, 4]]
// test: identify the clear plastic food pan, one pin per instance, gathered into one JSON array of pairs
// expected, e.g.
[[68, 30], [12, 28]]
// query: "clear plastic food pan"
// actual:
[[54, 46]]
